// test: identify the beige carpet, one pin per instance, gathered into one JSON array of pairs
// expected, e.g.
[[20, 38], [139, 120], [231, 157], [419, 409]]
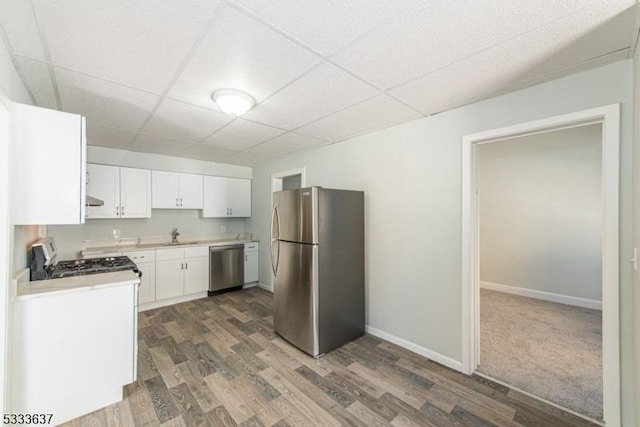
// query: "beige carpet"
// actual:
[[550, 350]]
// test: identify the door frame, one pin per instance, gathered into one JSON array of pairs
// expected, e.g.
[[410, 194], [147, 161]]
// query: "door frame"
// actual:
[[609, 117], [276, 185]]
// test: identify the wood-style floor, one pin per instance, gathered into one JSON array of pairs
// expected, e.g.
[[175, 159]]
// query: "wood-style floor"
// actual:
[[217, 361]]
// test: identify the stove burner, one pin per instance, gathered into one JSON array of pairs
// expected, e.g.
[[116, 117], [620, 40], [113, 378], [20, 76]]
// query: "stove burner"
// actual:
[[80, 267]]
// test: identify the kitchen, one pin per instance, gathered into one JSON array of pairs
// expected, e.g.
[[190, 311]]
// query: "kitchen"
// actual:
[[410, 173]]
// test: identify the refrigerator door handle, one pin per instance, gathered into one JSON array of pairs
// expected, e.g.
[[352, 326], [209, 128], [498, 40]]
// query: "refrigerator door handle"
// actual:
[[274, 239]]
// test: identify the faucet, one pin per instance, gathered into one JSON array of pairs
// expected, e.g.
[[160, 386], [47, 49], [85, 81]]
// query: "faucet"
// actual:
[[174, 236]]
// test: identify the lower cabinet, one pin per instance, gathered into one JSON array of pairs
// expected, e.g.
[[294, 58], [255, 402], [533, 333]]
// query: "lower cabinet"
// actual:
[[251, 262], [73, 352], [146, 262], [181, 271]]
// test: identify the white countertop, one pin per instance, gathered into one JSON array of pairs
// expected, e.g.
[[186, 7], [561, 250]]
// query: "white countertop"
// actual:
[[50, 287], [129, 247]]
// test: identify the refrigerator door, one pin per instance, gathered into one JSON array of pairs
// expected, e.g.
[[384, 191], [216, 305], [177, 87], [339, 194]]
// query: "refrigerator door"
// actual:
[[296, 296], [295, 215]]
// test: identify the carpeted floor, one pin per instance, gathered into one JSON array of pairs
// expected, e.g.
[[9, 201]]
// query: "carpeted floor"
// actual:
[[551, 350]]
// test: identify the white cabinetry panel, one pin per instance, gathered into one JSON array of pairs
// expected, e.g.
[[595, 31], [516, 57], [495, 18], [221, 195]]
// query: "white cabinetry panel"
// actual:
[[84, 341], [172, 190], [48, 166], [251, 262], [135, 193], [196, 275], [226, 197], [126, 192], [169, 278], [103, 182]]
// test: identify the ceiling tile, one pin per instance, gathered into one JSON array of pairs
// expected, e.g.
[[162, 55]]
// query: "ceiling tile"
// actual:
[[551, 47], [242, 54], [159, 145], [35, 76], [138, 43], [103, 102], [327, 26], [104, 136], [246, 159], [19, 24], [208, 153], [442, 32], [242, 134], [321, 92], [177, 120], [286, 144], [373, 114]]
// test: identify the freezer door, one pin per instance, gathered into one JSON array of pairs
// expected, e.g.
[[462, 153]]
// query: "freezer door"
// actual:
[[296, 296], [295, 215]]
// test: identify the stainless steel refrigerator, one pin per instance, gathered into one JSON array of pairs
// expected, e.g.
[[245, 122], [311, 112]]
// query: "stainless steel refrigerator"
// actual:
[[317, 256]]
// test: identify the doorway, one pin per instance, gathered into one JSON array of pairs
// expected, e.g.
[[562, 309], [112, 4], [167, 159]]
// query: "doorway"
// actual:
[[608, 118], [286, 180], [540, 253]]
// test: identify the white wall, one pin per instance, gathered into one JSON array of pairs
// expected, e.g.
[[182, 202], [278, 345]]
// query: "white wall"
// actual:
[[540, 200], [189, 222], [11, 89], [411, 175], [636, 216]]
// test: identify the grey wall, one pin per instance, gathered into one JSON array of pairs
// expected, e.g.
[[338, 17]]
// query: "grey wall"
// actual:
[[411, 174], [541, 212]]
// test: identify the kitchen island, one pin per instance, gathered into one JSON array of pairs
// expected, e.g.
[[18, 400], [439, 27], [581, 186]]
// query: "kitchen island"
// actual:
[[74, 343]]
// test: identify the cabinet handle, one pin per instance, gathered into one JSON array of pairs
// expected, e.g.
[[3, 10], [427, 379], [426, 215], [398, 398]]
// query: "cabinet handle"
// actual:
[[186, 265], [231, 211], [181, 266], [121, 210], [176, 202], [117, 210], [245, 258]]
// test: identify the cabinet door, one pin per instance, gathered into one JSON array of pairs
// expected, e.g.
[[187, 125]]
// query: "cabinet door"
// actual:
[[169, 278], [103, 182], [190, 191], [250, 267], [165, 190], [147, 282], [196, 275], [135, 193], [48, 166], [240, 197], [216, 191]]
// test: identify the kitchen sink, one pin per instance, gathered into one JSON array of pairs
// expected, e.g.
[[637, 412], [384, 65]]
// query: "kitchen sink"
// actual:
[[180, 243]]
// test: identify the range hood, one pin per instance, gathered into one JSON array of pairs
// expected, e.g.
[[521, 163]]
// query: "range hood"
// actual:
[[92, 201]]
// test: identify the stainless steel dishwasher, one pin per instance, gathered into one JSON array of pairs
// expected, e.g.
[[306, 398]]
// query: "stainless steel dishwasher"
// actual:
[[226, 268]]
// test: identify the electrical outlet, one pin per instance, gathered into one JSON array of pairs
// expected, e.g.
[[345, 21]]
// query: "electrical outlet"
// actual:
[[223, 228]]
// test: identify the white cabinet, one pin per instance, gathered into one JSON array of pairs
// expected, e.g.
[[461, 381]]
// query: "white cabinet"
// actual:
[[146, 262], [48, 166], [73, 352], [126, 192], [181, 271], [172, 190], [196, 275], [226, 197], [251, 262]]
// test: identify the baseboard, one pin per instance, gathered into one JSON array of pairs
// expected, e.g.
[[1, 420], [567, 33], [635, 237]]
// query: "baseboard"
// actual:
[[429, 354], [170, 301], [265, 287], [542, 295]]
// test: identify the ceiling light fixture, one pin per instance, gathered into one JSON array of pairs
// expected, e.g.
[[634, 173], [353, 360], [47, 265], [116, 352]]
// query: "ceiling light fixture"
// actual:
[[232, 101]]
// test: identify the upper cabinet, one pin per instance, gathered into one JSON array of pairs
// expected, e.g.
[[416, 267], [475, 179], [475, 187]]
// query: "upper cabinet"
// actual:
[[226, 197], [126, 192], [172, 190], [48, 162]]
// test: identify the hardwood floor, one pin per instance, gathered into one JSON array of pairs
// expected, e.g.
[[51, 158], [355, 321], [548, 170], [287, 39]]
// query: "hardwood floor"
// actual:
[[217, 362]]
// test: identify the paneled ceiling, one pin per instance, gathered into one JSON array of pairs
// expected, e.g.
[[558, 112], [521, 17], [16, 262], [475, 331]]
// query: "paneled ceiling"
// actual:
[[321, 71]]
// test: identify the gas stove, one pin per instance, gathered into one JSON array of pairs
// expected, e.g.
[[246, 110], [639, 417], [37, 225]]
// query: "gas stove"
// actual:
[[80, 267], [44, 265]]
